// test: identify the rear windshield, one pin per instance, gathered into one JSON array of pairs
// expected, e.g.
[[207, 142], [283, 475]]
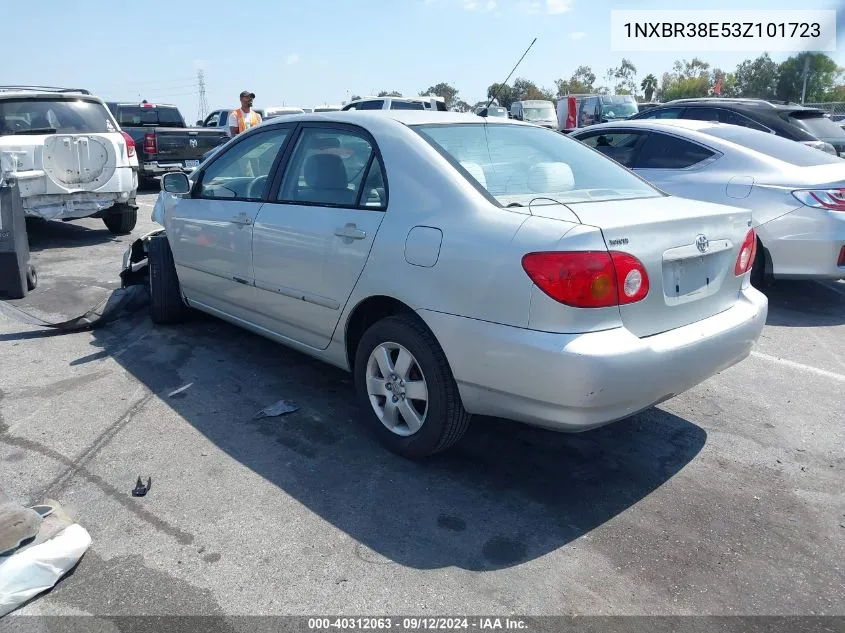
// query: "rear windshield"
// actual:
[[158, 116], [778, 147], [818, 125], [51, 116], [518, 164]]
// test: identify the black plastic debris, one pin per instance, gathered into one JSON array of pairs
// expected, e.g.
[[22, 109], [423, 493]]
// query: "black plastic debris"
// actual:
[[140, 489]]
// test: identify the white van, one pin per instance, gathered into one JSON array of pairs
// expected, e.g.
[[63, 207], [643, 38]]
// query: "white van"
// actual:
[[537, 111]]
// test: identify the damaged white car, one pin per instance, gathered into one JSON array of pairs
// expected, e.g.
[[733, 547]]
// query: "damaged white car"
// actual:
[[69, 156]]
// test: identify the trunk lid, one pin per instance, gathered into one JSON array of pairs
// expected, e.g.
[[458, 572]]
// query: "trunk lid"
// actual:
[[691, 277]]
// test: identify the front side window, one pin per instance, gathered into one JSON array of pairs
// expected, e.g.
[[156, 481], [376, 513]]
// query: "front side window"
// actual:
[[407, 105], [328, 167], [661, 151], [241, 171], [52, 116], [620, 146], [520, 164], [375, 104], [664, 113]]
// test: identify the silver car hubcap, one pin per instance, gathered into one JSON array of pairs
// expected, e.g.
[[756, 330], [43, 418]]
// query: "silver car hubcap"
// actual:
[[397, 389]]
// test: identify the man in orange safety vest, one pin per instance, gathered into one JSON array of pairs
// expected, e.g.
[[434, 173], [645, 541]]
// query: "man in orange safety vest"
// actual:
[[244, 117]]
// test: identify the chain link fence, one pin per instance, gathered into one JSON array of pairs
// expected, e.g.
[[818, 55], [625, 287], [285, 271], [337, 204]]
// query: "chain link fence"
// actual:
[[834, 108]]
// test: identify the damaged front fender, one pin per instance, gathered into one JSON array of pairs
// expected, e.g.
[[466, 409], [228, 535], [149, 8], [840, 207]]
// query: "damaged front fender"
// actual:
[[136, 268]]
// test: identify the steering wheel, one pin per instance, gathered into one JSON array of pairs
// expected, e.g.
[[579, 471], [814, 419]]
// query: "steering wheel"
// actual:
[[256, 187]]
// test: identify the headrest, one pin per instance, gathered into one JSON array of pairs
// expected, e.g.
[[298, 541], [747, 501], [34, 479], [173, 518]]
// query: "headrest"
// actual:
[[550, 177], [476, 172], [325, 171]]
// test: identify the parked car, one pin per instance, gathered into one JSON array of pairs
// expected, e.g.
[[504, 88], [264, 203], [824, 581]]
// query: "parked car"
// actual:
[[493, 111], [577, 111], [796, 194], [69, 156], [809, 126], [458, 266], [535, 111], [220, 118], [272, 113], [324, 108], [164, 142], [396, 103], [642, 107]]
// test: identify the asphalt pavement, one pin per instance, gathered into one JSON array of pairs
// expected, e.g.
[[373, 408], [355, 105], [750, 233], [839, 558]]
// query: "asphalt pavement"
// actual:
[[726, 500]]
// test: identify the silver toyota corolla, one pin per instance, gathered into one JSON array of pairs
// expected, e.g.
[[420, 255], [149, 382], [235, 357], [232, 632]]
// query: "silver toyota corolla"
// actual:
[[458, 266], [796, 193]]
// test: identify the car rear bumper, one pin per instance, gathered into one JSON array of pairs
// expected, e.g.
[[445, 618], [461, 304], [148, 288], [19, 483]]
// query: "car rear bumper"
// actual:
[[575, 382], [805, 244], [155, 168]]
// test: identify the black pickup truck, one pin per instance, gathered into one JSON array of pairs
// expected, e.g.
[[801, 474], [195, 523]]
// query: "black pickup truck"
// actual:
[[163, 141]]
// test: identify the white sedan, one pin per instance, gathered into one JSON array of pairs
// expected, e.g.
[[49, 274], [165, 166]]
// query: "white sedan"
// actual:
[[796, 193], [459, 266]]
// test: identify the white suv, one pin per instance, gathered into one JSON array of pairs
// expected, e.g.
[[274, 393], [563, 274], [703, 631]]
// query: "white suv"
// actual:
[[68, 155], [397, 103]]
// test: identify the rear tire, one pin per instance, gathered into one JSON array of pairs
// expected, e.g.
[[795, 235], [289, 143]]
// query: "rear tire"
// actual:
[[31, 278], [444, 420], [759, 278], [121, 220], [166, 303]]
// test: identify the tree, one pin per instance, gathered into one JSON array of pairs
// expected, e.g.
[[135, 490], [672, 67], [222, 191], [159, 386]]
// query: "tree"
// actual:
[[757, 78], [461, 106], [525, 89], [725, 81], [392, 93], [649, 85], [447, 92], [625, 77], [688, 79], [503, 93], [582, 81], [355, 97], [821, 77]]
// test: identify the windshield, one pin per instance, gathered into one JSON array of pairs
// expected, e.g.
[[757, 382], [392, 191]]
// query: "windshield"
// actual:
[[775, 146], [818, 125], [517, 164], [619, 110], [500, 112], [50, 116], [539, 113]]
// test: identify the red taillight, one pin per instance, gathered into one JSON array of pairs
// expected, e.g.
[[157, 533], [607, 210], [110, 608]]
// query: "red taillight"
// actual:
[[747, 253], [588, 279], [150, 143], [830, 199], [130, 144], [841, 261]]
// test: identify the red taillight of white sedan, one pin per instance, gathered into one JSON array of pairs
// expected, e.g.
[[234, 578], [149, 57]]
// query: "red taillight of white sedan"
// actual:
[[588, 279], [830, 199], [745, 259]]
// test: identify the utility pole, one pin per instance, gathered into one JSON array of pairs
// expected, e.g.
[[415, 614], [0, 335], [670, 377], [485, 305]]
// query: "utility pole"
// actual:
[[806, 74], [202, 110]]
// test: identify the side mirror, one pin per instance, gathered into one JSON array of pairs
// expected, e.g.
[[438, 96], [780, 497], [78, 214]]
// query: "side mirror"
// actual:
[[176, 183]]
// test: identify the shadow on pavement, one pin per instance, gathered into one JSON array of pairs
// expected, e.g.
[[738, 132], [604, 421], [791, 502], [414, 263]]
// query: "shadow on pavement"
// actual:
[[505, 495], [47, 234], [805, 303]]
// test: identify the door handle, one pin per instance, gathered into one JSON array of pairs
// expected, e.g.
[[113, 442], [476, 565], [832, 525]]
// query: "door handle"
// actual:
[[241, 219], [351, 231]]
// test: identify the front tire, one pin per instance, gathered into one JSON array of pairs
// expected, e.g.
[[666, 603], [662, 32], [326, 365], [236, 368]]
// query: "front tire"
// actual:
[[122, 220], [166, 303], [406, 390], [31, 278]]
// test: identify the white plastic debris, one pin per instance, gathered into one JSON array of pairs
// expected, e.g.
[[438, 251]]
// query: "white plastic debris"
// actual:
[[36, 569], [180, 390], [279, 408]]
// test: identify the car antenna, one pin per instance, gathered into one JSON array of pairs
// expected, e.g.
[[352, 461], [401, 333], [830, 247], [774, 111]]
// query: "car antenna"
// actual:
[[495, 96]]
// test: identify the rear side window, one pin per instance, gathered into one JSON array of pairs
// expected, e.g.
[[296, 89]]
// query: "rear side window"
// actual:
[[329, 167], [661, 151], [665, 113], [51, 116], [140, 116], [735, 118], [620, 146], [818, 125], [375, 104], [407, 105], [702, 114], [775, 146]]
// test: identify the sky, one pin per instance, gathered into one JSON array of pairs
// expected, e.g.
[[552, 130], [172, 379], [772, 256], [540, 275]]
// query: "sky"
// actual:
[[312, 52]]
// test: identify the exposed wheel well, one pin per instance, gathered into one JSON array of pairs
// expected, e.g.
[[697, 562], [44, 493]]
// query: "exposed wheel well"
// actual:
[[368, 312]]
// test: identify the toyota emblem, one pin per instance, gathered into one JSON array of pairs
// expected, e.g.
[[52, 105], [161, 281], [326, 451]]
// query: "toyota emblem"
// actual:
[[193, 142], [702, 243]]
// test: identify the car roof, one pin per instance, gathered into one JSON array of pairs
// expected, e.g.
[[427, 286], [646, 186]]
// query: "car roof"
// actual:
[[757, 105], [376, 118], [22, 92], [685, 124]]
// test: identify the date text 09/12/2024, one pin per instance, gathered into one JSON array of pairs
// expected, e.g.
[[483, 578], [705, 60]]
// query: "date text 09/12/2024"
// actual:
[[418, 624]]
